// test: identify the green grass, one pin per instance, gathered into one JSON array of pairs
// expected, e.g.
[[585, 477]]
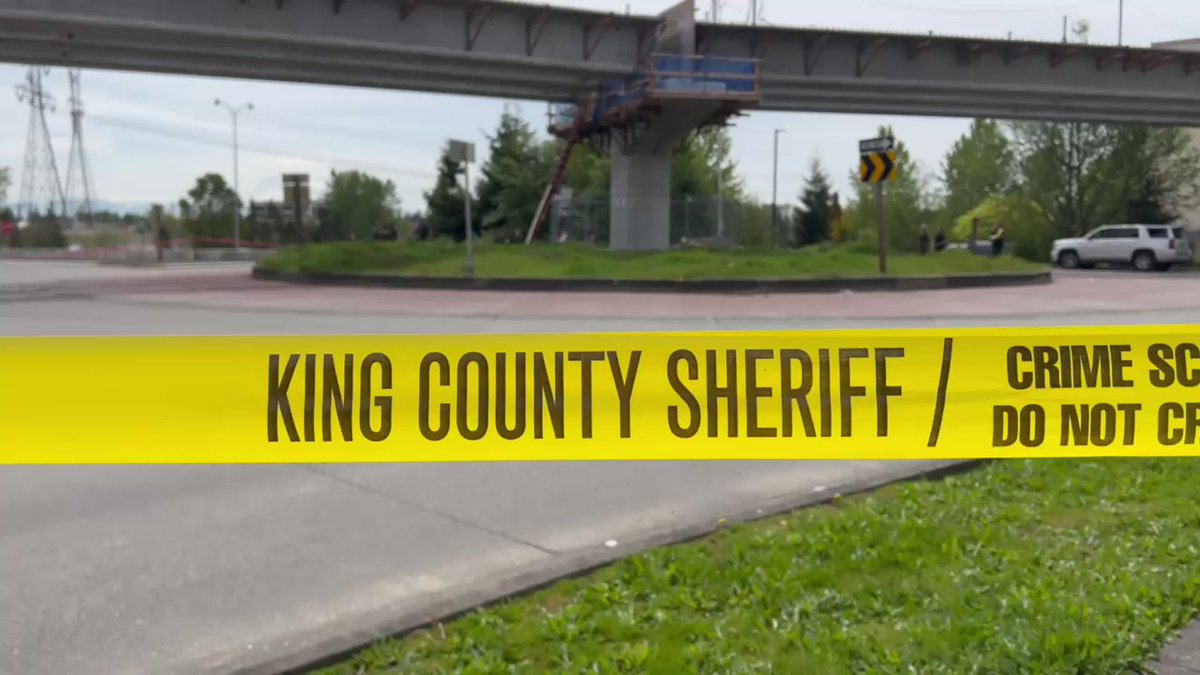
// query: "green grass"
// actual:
[[574, 261], [1018, 567]]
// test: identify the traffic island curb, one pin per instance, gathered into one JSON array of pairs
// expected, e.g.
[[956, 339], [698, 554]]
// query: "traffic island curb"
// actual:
[[730, 286], [332, 644]]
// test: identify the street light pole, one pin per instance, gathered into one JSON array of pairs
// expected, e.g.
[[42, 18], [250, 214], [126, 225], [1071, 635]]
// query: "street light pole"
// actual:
[[237, 213], [467, 218], [720, 200], [775, 187], [1120, 22]]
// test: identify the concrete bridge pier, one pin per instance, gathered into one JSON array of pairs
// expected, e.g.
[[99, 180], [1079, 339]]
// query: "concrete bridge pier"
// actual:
[[640, 201], [640, 175]]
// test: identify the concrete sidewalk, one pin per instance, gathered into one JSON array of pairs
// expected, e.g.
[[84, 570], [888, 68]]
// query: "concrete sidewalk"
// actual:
[[257, 569], [1182, 655]]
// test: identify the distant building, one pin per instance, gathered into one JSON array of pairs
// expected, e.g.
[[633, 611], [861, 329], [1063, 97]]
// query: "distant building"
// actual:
[[1191, 216]]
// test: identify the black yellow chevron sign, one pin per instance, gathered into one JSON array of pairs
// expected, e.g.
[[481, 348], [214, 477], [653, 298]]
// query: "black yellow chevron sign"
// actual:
[[877, 167], [877, 159]]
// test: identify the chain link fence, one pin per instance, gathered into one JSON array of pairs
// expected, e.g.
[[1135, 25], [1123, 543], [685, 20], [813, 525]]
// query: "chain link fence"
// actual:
[[693, 223]]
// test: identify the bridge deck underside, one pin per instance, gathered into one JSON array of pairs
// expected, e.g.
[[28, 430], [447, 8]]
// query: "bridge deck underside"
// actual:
[[523, 51]]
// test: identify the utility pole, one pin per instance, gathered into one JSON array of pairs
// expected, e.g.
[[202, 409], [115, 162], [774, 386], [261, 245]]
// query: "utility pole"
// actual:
[[882, 232], [1120, 22], [1064, 28], [237, 213], [775, 186], [716, 11], [720, 200], [753, 12], [467, 218]]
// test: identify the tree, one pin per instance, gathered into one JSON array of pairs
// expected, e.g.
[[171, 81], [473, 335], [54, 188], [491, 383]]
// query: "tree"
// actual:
[[445, 201], [699, 160], [1153, 170], [42, 231], [1026, 225], [209, 207], [358, 203], [588, 173], [841, 226], [1057, 164], [1082, 174], [906, 202], [755, 225], [814, 216], [513, 178], [980, 164], [4, 183]]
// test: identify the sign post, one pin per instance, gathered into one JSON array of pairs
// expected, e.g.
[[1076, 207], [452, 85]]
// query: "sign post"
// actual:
[[877, 161], [881, 234], [464, 151], [295, 195]]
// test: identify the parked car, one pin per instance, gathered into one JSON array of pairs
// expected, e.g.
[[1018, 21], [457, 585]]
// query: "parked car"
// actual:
[[1146, 247]]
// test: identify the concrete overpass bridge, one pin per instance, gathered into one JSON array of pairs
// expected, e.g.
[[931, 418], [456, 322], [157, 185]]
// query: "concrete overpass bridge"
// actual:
[[519, 50], [524, 51]]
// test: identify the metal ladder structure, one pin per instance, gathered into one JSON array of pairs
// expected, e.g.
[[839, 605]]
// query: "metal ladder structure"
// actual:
[[560, 172]]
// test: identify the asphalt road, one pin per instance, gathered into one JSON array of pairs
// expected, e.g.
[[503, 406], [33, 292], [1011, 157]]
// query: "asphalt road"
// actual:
[[145, 569]]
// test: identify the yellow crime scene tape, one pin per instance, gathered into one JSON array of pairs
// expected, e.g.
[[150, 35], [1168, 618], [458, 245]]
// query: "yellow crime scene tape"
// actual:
[[874, 394]]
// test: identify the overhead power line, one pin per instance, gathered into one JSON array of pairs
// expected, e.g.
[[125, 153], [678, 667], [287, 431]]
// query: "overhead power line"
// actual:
[[257, 149]]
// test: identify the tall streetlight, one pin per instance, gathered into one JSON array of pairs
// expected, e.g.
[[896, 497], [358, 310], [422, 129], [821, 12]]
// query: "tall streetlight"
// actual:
[[237, 213], [1120, 22], [775, 187]]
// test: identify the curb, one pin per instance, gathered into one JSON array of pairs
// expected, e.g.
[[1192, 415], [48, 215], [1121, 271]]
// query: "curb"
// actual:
[[320, 648], [1181, 656], [747, 286]]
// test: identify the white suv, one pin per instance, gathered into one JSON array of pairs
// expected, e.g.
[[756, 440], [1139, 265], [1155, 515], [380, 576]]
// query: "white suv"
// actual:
[[1146, 247]]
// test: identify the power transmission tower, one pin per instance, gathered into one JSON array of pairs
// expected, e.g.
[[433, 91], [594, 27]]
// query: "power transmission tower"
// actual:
[[756, 12], [79, 175], [41, 186]]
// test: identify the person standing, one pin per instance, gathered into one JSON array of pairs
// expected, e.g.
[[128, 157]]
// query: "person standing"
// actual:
[[923, 240], [997, 238]]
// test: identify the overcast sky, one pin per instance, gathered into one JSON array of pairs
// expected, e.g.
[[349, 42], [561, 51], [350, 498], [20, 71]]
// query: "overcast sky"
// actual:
[[149, 136]]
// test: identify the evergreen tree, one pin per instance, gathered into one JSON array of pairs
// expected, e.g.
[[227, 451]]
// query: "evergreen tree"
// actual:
[[814, 216], [445, 201], [513, 178]]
